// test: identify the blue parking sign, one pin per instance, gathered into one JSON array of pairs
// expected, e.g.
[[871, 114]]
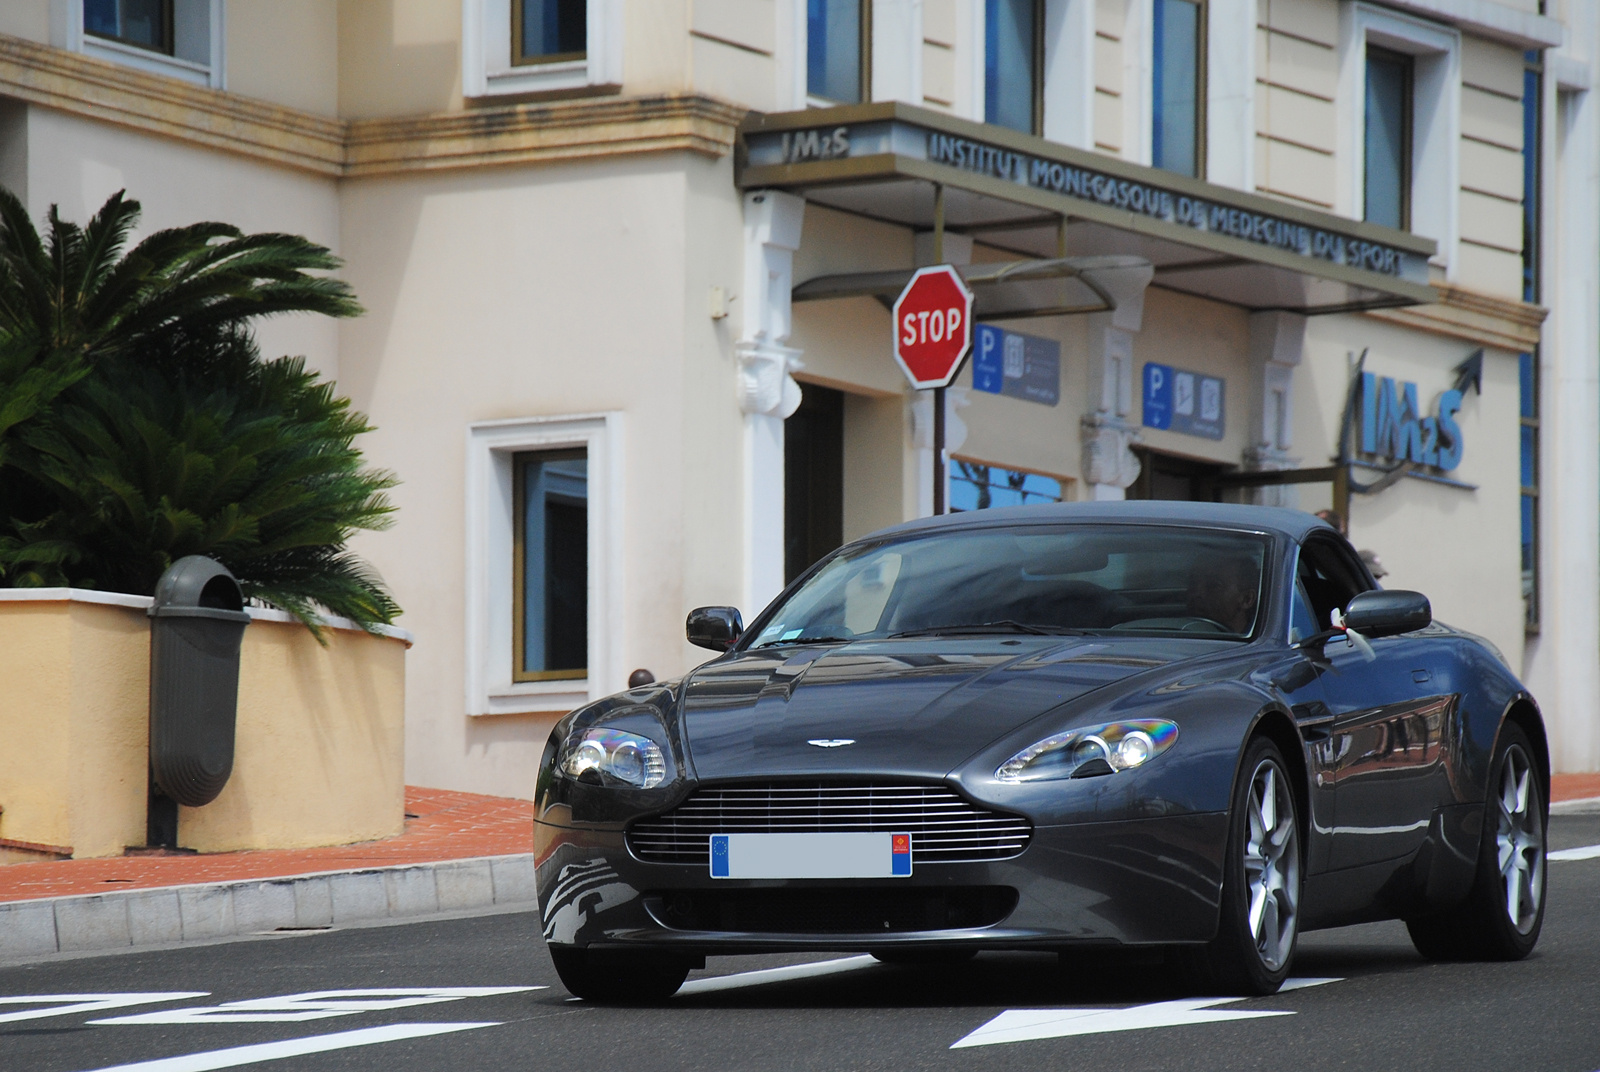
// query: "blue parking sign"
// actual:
[[1157, 395], [1016, 365], [988, 360], [1183, 401]]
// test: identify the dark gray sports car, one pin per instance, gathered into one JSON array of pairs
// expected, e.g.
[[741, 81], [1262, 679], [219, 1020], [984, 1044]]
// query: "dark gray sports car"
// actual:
[[1193, 726]]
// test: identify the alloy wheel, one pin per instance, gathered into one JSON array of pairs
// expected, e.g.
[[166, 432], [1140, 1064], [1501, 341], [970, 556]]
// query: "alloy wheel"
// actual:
[[1519, 840], [1272, 865]]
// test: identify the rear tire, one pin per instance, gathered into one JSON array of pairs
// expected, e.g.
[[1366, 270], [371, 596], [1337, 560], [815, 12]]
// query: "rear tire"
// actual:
[[1503, 914], [619, 976], [1260, 914]]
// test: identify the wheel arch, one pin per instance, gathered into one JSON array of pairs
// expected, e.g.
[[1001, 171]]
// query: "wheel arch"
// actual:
[[1524, 714], [1276, 725]]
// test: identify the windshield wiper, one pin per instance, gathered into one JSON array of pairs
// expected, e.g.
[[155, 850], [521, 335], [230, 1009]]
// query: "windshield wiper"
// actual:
[[805, 640], [1004, 625]]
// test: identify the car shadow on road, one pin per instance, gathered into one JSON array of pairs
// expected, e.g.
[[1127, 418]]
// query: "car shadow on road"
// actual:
[[1011, 979]]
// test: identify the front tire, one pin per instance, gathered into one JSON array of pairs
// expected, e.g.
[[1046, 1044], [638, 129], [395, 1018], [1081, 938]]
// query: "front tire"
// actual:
[[1260, 915], [619, 976], [1503, 914]]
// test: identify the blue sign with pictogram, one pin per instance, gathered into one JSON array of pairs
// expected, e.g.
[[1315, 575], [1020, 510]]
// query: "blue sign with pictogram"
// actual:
[[1179, 400], [1018, 366]]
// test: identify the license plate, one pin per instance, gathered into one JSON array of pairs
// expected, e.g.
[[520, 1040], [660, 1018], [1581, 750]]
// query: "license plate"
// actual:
[[810, 855]]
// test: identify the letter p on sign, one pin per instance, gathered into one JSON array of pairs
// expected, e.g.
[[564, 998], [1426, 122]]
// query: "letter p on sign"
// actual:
[[933, 326]]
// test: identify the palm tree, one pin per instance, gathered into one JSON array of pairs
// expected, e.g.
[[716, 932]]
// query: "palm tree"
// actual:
[[139, 424], [68, 304]]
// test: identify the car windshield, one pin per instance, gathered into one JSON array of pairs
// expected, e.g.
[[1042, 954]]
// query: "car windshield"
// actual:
[[1109, 579]]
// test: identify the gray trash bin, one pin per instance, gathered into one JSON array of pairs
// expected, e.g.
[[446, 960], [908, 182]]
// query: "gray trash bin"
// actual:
[[198, 621]]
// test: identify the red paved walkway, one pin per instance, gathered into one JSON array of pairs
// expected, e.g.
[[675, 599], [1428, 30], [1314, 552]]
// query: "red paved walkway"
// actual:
[[448, 826], [1574, 786]]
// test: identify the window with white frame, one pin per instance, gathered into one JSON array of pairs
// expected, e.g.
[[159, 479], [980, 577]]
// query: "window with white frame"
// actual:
[[549, 31], [1013, 64], [543, 562], [1400, 123], [550, 565], [540, 46], [838, 50], [1386, 139], [1177, 86], [179, 38]]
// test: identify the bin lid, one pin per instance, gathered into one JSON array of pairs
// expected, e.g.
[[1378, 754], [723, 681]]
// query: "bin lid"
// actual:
[[199, 587]]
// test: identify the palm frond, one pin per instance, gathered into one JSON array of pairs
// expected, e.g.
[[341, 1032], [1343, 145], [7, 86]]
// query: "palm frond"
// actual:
[[138, 423]]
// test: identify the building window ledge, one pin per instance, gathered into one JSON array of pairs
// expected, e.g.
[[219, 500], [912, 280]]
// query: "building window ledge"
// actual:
[[487, 69], [203, 65], [491, 449]]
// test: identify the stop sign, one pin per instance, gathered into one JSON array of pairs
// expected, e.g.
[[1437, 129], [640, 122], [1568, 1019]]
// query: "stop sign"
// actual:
[[933, 326]]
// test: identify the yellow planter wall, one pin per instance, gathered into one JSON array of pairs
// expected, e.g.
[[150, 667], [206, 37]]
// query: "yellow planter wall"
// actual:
[[319, 754]]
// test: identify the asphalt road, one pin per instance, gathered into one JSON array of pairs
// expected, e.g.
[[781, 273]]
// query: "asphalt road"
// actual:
[[492, 1001]]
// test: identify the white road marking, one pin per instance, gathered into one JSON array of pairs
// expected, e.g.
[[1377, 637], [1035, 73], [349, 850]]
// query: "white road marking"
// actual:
[[1588, 852], [776, 975], [66, 1004], [316, 1005], [1023, 1025], [235, 1056], [1301, 984]]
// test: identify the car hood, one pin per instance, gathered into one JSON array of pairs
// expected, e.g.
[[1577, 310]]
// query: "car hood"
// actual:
[[916, 707]]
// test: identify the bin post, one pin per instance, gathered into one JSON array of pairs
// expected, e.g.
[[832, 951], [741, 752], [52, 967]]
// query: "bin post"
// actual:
[[197, 625]]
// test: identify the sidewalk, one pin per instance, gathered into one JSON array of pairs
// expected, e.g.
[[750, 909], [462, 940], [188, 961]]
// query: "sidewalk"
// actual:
[[460, 852], [439, 826], [1580, 792]]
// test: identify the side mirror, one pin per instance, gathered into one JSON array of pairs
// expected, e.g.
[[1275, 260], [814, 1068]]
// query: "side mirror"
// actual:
[[1387, 613], [717, 628]]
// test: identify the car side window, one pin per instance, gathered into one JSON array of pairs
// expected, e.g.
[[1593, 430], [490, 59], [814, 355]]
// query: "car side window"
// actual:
[[1330, 579], [1302, 619]]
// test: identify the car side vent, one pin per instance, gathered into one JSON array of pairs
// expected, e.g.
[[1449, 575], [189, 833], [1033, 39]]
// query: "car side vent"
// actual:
[[944, 828]]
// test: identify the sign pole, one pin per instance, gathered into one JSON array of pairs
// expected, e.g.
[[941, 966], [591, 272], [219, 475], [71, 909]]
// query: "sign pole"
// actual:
[[932, 334], [938, 392]]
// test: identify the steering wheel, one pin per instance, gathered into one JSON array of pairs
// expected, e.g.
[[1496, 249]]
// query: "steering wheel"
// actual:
[[1205, 625]]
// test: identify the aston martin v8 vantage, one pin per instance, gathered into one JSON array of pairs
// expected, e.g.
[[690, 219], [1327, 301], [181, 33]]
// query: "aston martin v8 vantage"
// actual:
[[1200, 727]]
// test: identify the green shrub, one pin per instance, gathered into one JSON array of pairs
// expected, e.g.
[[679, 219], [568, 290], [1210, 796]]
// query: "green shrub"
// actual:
[[139, 424]]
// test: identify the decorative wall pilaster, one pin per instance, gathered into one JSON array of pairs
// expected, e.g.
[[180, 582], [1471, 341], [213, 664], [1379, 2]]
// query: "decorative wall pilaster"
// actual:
[[1109, 430], [1277, 343], [766, 390]]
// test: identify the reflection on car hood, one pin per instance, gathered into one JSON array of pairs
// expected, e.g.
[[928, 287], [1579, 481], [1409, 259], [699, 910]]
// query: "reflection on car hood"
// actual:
[[915, 707]]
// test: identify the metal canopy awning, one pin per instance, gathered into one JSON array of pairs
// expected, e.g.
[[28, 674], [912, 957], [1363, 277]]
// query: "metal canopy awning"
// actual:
[[1039, 200], [1010, 289]]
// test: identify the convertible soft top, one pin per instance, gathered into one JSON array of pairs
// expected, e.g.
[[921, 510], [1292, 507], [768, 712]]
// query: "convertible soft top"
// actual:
[[1294, 524]]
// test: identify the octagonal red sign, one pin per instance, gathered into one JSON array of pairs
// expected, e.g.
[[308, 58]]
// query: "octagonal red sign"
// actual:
[[933, 326]]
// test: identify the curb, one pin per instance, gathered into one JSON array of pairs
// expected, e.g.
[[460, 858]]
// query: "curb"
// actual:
[[1583, 806], [206, 912]]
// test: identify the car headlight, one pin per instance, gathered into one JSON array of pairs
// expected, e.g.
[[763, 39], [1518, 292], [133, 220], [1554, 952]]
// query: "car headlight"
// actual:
[[1116, 746], [601, 755]]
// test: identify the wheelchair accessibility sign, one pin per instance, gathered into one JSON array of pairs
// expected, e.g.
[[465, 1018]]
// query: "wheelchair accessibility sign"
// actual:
[[1182, 401]]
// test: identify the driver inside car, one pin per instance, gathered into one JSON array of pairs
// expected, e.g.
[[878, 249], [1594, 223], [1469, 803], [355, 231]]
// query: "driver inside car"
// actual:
[[1223, 589]]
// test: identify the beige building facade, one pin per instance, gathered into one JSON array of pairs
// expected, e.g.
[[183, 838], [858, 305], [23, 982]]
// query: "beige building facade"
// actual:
[[627, 266]]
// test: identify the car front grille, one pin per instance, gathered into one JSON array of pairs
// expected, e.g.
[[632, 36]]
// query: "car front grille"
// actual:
[[944, 828]]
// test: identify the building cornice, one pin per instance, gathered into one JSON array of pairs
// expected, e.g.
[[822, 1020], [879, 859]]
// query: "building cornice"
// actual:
[[541, 133], [1480, 318], [111, 93], [526, 133], [1488, 18]]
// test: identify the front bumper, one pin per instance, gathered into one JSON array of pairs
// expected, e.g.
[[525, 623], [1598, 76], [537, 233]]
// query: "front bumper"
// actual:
[[1130, 882]]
